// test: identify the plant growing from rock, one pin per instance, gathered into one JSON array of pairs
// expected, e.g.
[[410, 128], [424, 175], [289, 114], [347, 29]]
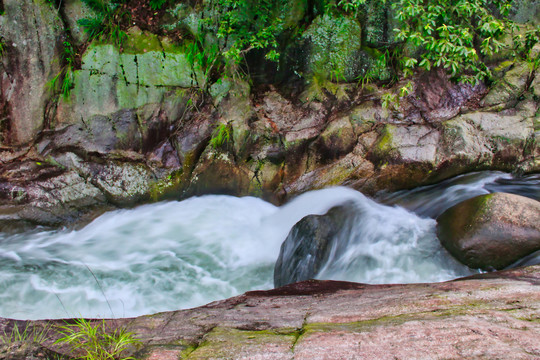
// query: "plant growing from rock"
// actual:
[[221, 136], [65, 75], [523, 47], [95, 342], [30, 334], [105, 25]]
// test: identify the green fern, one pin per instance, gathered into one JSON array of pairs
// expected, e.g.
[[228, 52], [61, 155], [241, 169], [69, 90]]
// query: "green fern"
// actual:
[[105, 24], [157, 4], [66, 73], [93, 27], [220, 136]]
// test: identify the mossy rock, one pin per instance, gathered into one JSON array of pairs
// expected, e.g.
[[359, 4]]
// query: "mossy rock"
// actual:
[[491, 231], [511, 86], [379, 21], [334, 43], [525, 11]]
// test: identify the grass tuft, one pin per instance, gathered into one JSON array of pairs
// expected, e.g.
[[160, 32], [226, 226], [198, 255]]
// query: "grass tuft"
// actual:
[[93, 341]]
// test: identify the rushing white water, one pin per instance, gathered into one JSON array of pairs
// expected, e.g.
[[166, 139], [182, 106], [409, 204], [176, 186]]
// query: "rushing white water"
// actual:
[[175, 255]]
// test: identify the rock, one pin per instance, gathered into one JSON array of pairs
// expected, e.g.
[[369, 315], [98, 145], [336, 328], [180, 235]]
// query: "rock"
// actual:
[[295, 123], [439, 99], [293, 12], [488, 139], [491, 231], [351, 170], [150, 80], [74, 11], [217, 173], [54, 197], [98, 134], [123, 183], [410, 144], [512, 85], [308, 245], [33, 34], [336, 140], [333, 43], [525, 11]]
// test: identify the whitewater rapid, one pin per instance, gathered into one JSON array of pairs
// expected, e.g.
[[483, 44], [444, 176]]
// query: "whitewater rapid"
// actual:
[[182, 254]]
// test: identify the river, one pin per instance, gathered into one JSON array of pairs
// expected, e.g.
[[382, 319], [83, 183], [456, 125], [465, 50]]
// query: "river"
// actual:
[[182, 254]]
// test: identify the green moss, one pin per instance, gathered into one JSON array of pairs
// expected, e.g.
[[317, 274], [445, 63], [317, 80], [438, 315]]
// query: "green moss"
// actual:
[[385, 142], [168, 187], [229, 343], [140, 42]]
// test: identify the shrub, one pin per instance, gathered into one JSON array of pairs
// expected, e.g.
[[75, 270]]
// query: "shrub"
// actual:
[[457, 35], [221, 136]]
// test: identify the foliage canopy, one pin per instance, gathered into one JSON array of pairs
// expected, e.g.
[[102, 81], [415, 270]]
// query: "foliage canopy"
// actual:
[[459, 36]]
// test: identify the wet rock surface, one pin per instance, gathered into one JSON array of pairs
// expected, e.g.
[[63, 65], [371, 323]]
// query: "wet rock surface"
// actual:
[[491, 231], [475, 317], [308, 246]]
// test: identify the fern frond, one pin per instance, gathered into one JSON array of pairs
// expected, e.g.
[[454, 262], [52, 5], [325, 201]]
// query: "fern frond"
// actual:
[[99, 6]]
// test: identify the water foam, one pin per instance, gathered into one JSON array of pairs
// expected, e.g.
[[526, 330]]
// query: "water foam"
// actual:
[[175, 255]]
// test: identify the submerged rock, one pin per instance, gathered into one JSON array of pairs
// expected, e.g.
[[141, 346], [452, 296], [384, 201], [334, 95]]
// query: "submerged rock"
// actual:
[[491, 231]]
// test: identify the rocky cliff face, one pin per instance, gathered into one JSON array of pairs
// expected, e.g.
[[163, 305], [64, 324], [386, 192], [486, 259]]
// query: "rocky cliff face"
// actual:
[[136, 125]]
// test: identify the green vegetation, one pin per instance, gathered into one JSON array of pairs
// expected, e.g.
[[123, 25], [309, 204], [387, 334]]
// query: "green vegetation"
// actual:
[[157, 4], [221, 136], [459, 36], [28, 334], [2, 46], [95, 341], [65, 75], [106, 24], [455, 35], [87, 340]]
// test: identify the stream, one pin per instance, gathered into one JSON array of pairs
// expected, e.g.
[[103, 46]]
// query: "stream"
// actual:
[[181, 254]]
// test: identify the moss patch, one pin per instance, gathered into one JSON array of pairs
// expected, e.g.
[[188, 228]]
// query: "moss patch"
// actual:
[[224, 343]]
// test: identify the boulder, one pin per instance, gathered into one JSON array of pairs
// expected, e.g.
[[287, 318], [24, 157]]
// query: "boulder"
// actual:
[[146, 85], [308, 246], [491, 231], [334, 44]]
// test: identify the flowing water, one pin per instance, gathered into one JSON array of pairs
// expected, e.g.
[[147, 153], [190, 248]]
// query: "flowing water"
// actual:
[[174, 255]]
